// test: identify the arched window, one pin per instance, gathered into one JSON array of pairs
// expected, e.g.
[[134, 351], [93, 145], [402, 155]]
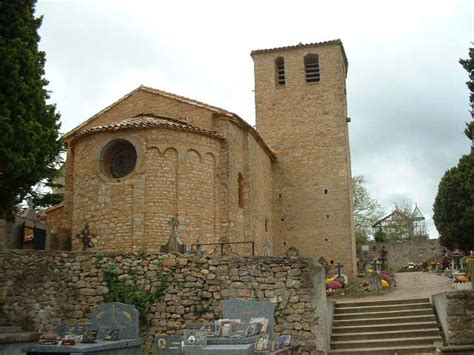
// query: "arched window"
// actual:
[[311, 68], [280, 71], [241, 190]]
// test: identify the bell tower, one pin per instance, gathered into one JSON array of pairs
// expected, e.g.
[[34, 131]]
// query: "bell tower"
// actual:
[[301, 109]]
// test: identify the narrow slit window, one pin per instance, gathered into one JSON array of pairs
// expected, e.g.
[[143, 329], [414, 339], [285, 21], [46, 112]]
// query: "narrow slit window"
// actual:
[[241, 190], [311, 68], [280, 71]]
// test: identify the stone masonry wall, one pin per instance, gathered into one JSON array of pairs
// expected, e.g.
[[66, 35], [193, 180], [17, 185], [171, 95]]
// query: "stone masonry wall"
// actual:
[[400, 253], [460, 317], [306, 126], [191, 176], [44, 289]]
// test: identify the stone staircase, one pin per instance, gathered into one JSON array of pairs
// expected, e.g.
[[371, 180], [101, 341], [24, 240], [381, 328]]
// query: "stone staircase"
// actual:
[[385, 327]]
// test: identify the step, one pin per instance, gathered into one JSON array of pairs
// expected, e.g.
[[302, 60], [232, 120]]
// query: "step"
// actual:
[[385, 320], [390, 350], [410, 333], [355, 344], [384, 302], [384, 327], [384, 314], [394, 307]]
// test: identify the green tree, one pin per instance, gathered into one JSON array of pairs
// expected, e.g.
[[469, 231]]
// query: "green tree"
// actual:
[[453, 209], [29, 126], [404, 222], [366, 209], [468, 65]]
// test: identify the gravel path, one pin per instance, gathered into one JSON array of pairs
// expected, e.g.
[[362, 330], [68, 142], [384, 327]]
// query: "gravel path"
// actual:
[[409, 285]]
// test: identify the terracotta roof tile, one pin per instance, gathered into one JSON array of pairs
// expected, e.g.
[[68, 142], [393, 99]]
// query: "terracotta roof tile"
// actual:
[[143, 121]]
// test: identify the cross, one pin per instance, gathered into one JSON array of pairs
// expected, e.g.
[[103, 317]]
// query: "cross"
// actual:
[[174, 222], [374, 265], [339, 267]]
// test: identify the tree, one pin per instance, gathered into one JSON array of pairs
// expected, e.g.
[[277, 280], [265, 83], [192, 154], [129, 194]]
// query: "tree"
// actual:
[[29, 126], [366, 209], [404, 221], [468, 65], [453, 209]]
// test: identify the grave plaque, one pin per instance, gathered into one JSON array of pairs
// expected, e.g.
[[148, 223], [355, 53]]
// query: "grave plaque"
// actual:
[[120, 316], [244, 310], [195, 337], [169, 344]]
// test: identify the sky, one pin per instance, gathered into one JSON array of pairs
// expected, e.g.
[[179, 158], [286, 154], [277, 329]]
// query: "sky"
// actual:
[[406, 91]]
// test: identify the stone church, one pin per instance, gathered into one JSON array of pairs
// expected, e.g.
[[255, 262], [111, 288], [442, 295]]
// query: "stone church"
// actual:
[[153, 155]]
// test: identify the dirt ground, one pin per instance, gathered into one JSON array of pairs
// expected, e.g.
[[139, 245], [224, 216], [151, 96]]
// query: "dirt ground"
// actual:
[[409, 285]]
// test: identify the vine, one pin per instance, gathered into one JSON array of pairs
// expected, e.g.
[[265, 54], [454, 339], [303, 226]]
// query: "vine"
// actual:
[[130, 291]]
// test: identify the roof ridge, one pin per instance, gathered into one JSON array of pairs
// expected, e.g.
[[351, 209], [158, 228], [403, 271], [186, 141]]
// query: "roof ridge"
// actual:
[[142, 122]]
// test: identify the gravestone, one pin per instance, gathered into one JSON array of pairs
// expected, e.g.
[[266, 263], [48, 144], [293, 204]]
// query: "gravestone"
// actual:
[[169, 344], [292, 252], [267, 248], [244, 310], [110, 316], [174, 243]]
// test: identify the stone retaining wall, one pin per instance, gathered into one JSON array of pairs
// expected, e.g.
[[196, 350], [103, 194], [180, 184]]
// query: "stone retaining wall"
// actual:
[[460, 317], [46, 288], [399, 254]]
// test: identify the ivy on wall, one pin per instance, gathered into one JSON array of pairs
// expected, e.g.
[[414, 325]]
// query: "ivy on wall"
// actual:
[[130, 291]]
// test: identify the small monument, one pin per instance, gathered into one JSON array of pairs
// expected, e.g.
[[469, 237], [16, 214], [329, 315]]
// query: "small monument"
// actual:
[[267, 247], [324, 264], [174, 243], [117, 320], [86, 237], [292, 252]]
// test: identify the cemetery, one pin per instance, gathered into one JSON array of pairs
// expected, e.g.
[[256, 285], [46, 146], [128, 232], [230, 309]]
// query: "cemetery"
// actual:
[[50, 292], [183, 229]]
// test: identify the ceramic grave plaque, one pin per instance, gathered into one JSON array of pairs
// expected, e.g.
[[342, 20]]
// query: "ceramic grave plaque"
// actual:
[[195, 337], [109, 316], [245, 310], [169, 344]]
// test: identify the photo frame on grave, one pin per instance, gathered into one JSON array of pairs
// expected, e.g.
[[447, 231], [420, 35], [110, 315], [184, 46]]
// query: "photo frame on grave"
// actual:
[[284, 340], [263, 322], [240, 330], [226, 330], [211, 329], [89, 336], [162, 343], [261, 343]]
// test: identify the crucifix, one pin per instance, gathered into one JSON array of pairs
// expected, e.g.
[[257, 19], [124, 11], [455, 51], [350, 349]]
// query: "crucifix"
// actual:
[[339, 268], [374, 265]]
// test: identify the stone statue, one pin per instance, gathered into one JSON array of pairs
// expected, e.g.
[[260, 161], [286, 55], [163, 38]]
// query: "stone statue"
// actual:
[[174, 243], [267, 248]]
